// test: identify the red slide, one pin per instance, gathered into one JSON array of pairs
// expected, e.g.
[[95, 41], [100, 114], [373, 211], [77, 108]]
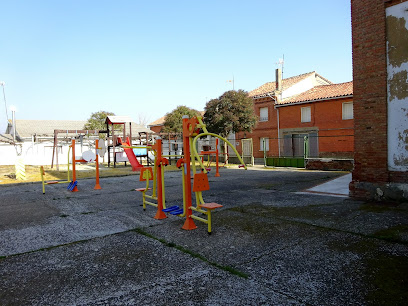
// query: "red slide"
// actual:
[[132, 157]]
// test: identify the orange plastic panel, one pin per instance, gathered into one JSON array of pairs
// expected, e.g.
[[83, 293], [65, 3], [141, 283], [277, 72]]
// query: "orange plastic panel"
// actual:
[[146, 173], [200, 182], [190, 128], [180, 162]]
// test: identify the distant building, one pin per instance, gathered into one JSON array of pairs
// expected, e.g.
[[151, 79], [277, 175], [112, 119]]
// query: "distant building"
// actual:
[[307, 105], [157, 125]]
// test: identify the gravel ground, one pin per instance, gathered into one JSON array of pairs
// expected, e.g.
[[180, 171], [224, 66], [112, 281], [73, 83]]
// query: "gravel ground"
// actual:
[[270, 245]]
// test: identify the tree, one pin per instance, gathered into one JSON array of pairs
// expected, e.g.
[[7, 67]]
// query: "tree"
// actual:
[[97, 121], [173, 122], [232, 112]]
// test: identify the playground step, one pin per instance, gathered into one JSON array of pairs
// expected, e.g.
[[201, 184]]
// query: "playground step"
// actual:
[[177, 212], [210, 206], [172, 208], [142, 189], [72, 185], [51, 182]]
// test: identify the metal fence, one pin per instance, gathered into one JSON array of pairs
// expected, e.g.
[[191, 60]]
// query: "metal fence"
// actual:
[[309, 145]]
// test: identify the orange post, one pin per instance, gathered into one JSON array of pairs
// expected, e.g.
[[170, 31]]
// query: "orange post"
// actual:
[[188, 130], [160, 213], [73, 165], [97, 186]]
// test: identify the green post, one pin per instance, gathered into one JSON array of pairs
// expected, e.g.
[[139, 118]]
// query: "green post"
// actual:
[[264, 151], [305, 149]]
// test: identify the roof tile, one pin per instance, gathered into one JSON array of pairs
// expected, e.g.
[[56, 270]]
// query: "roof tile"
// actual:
[[271, 86], [322, 92]]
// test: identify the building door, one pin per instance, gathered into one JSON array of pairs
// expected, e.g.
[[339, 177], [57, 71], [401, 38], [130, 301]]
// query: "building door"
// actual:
[[298, 141], [295, 145]]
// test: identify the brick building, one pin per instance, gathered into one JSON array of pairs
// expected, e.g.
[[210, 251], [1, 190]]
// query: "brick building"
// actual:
[[305, 105], [380, 73], [325, 115]]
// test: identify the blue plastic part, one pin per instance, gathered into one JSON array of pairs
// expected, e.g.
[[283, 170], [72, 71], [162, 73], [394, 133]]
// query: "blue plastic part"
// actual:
[[175, 207], [72, 185], [177, 212]]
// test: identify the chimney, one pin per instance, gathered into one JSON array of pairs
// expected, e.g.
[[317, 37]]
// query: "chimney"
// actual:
[[278, 90], [279, 79]]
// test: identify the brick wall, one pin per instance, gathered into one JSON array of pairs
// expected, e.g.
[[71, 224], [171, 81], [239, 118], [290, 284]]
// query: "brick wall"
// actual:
[[268, 129], [326, 119], [335, 134], [370, 100]]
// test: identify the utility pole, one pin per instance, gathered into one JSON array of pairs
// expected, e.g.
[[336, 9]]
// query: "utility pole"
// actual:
[[5, 103]]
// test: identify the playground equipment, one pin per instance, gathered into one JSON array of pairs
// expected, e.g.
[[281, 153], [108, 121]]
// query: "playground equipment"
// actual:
[[81, 133], [147, 174], [130, 154], [54, 182], [191, 129], [87, 156], [209, 153]]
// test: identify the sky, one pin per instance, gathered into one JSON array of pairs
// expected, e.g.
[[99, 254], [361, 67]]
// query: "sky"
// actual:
[[64, 60]]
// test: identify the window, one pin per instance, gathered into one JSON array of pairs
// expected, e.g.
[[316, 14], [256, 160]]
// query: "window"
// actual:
[[306, 114], [264, 140], [347, 110], [263, 114]]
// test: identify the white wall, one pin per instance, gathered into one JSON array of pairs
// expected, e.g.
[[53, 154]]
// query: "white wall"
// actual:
[[299, 87], [36, 153], [41, 153], [397, 86]]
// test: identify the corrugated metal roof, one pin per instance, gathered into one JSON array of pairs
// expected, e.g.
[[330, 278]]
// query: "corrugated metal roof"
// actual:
[[6, 138], [118, 119], [27, 128]]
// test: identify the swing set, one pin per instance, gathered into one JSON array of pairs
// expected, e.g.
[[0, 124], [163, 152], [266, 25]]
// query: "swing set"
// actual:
[[87, 157]]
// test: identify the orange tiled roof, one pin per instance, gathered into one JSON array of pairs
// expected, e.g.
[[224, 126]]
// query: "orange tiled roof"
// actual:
[[161, 120], [286, 83], [322, 92]]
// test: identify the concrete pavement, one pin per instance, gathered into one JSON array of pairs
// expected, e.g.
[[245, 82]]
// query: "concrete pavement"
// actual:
[[270, 245]]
